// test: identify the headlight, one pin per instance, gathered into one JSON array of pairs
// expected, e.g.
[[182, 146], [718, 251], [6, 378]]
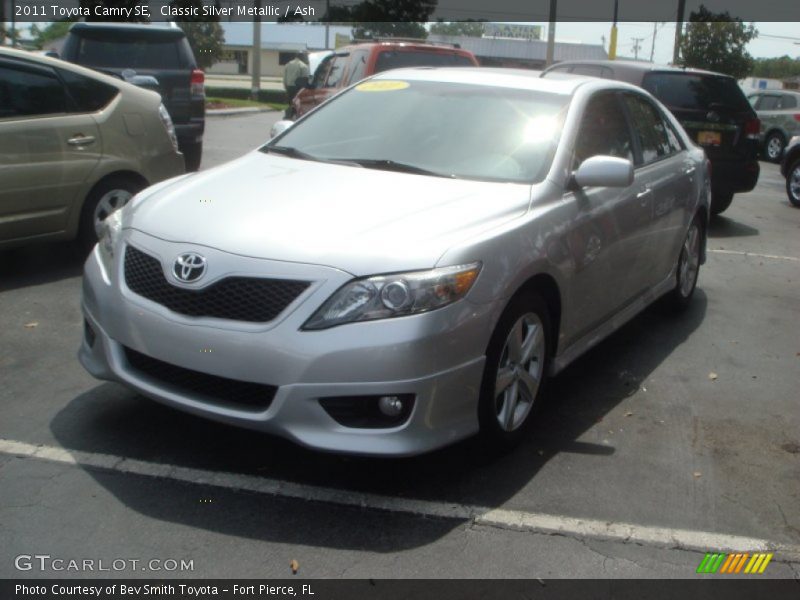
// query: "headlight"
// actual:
[[112, 226], [397, 295], [168, 125]]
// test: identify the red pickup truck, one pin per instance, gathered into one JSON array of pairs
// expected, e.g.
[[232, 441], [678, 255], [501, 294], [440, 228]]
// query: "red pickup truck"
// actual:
[[353, 63]]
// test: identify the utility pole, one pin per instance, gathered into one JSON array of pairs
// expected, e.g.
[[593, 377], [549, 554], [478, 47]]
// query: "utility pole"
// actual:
[[551, 34], [676, 51], [612, 45], [327, 24], [256, 81], [653, 46], [636, 47]]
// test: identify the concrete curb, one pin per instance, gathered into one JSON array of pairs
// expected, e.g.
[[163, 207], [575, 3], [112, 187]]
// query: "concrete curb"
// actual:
[[225, 112]]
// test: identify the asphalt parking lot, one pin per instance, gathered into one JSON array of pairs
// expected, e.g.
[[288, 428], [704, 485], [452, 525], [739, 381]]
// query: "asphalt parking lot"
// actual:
[[676, 436]]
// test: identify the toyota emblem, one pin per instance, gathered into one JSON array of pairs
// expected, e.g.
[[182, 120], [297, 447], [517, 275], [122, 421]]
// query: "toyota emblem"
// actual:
[[189, 267]]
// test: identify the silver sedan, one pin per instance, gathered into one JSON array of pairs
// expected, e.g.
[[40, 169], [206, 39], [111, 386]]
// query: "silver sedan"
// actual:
[[404, 266]]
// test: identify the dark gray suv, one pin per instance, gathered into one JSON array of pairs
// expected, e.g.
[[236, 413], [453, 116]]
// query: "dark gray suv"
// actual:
[[126, 50], [712, 109]]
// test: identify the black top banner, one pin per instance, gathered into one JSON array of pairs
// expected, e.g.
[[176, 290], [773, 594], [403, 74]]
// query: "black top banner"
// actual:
[[346, 11]]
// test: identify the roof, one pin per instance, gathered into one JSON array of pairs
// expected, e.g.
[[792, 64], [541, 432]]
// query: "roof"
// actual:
[[284, 36], [522, 49], [513, 78], [630, 66]]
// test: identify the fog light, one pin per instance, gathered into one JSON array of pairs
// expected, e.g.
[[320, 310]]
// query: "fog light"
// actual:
[[391, 406]]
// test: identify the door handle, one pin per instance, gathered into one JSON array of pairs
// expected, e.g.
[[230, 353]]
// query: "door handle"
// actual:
[[644, 194], [689, 170], [80, 140]]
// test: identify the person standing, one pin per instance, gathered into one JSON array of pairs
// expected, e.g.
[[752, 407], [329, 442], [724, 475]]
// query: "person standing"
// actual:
[[295, 71]]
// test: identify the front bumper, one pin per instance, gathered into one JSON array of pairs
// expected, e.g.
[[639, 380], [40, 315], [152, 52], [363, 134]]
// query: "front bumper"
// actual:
[[438, 357]]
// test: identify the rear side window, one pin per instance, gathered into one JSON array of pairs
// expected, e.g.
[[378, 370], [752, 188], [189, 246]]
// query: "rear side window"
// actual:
[[696, 92], [88, 95], [649, 129], [769, 103], [25, 93], [789, 102], [130, 51], [396, 59]]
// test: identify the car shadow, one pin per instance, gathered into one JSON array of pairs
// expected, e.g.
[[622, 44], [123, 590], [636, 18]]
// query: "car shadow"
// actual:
[[109, 419], [725, 227], [37, 264]]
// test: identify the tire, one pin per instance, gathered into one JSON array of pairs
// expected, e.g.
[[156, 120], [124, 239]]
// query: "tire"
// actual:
[[773, 146], [109, 195], [193, 155], [505, 416], [793, 183], [688, 268], [720, 202]]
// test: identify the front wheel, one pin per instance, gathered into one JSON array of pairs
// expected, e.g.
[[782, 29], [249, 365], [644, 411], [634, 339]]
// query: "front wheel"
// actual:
[[514, 374], [688, 267], [773, 147], [793, 183]]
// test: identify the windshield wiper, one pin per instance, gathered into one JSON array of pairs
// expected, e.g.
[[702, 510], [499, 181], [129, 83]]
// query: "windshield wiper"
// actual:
[[386, 164], [289, 151]]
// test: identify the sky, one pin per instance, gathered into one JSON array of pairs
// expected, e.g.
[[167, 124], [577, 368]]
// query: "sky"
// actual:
[[768, 44]]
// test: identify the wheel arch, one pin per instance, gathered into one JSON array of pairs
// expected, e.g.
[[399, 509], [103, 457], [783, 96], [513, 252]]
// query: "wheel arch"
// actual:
[[545, 285]]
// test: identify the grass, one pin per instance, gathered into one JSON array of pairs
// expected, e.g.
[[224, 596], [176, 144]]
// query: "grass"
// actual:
[[218, 102]]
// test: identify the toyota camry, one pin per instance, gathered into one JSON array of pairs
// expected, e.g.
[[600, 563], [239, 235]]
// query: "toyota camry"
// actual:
[[404, 266]]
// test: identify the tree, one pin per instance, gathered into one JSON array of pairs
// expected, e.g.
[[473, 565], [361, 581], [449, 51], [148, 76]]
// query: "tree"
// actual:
[[54, 31], [465, 28], [205, 34], [384, 18], [776, 68], [717, 42]]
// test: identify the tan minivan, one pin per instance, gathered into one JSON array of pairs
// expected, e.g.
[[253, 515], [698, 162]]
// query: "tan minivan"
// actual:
[[75, 145]]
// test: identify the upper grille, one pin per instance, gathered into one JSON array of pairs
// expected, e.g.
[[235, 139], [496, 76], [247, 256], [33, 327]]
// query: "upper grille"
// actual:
[[212, 387], [236, 298]]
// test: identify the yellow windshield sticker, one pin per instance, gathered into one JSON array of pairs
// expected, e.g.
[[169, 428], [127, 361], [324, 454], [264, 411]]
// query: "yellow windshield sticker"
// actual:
[[382, 86]]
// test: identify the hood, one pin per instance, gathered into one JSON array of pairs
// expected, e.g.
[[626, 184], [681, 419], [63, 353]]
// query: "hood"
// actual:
[[363, 221]]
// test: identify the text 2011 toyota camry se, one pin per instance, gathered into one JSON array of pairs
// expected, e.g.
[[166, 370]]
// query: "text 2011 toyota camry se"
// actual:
[[404, 266]]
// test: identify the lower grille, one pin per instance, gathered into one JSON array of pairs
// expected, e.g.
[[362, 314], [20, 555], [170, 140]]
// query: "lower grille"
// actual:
[[220, 390]]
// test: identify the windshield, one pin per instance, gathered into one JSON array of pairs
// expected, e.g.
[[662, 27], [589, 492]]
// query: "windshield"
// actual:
[[695, 92], [445, 129]]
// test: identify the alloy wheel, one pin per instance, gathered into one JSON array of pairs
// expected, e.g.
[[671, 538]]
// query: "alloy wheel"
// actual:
[[520, 372], [690, 261], [794, 183], [110, 202], [774, 148]]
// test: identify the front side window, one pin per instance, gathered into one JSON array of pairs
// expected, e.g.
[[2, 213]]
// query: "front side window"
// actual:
[[434, 128], [358, 68], [336, 71], [603, 130], [651, 131], [25, 93]]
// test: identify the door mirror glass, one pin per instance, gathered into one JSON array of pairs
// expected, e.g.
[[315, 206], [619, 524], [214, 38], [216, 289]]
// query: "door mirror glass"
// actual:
[[604, 171]]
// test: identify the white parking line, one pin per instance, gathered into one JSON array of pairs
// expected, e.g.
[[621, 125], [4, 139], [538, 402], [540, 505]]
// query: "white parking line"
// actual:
[[756, 254], [683, 539]]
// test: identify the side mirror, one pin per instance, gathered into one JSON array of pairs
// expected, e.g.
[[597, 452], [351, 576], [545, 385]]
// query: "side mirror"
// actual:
[[280, 127], [604, 171]]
